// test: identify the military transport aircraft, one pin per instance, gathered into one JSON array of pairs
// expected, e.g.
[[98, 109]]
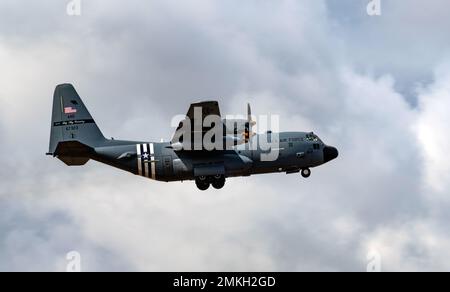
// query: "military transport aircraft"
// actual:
[[75, 139]]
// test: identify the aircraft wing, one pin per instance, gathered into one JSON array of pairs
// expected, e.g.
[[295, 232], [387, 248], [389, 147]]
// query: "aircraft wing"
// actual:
[[209, 108], [194, 121]]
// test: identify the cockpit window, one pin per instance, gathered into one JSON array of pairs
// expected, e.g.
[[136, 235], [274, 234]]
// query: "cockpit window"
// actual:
[[312, 137]]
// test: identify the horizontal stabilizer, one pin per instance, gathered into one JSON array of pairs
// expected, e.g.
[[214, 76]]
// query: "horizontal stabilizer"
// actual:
[[73, 153]]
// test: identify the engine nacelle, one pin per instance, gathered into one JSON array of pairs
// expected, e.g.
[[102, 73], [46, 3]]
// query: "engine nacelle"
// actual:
[[235, 126]]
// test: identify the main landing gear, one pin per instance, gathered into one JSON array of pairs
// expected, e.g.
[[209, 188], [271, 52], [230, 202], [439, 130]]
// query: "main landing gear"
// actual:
[[204, 182], [306, 172]]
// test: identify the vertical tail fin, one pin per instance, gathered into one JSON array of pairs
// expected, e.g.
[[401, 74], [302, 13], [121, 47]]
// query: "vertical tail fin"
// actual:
[[73, 131]]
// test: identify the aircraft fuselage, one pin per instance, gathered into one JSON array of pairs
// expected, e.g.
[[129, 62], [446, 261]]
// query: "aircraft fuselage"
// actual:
[[159, 162]]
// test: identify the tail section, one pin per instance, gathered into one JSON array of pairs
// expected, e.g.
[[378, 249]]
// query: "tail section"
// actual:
[[74, 132]]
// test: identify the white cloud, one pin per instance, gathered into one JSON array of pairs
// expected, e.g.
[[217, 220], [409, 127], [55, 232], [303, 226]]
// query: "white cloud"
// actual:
[[414, 246], [433, 127]]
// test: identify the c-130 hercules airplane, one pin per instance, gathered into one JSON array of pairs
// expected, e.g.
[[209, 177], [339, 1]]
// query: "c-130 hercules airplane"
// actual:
[[75, 139]]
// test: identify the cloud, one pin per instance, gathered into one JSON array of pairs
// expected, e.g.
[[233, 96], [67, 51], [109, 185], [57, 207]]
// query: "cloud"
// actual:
[[411, 246], [432, 129], [312, 62], [407, 41], [36, 238]]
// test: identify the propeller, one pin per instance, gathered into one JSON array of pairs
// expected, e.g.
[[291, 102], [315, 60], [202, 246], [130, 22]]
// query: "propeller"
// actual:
[[248, 134]]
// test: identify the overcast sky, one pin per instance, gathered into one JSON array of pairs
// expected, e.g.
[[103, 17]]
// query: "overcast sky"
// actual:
[[378, 88]]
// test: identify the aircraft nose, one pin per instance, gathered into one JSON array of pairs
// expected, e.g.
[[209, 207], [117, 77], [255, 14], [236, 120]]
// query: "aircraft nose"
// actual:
[[330, 153]]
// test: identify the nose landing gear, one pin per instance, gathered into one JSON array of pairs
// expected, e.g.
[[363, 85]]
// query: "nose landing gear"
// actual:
[[306, 172], [203, 183]]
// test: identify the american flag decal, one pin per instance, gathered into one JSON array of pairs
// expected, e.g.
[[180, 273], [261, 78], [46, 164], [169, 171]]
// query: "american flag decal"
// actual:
[[69, 110]]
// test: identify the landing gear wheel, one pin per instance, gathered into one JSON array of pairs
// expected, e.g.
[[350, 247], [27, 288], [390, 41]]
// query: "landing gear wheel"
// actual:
[[202, 183], [218, 182], [306, 172]]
